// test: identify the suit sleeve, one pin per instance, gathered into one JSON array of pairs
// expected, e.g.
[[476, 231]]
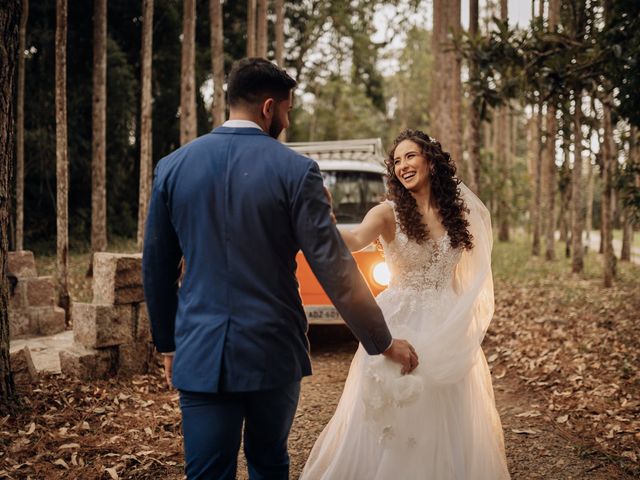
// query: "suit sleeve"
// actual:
[[334, 266], [160, 261]]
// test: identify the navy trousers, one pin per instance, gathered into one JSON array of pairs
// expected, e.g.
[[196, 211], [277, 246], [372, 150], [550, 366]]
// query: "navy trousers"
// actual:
[[212, 427]]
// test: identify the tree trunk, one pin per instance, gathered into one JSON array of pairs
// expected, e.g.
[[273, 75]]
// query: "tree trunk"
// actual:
[[20, 130], [589, 202], [608, 166], [10, 16], [251, 28], [503, 155], [279, 33], [279, 10], [217, 62], [577, 262], [62, 161], [146, 139], [447, 129], [474, 110], [627, 229], [549, 168], [99, 125], [627, 237], [532, 143], [261, 29], [536, 219], [188, 120]]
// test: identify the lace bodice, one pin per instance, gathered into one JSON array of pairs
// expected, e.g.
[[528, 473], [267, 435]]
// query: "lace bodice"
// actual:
[[426, 266]]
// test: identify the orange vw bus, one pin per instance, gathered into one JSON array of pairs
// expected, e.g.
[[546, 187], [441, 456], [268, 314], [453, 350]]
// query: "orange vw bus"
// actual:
[[354, 172]]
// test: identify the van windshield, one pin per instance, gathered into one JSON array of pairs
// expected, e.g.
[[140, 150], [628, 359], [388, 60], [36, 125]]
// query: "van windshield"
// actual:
[[354, 193]]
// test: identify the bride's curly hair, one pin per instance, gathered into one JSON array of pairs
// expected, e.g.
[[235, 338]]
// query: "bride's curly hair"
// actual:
[[444, 190]]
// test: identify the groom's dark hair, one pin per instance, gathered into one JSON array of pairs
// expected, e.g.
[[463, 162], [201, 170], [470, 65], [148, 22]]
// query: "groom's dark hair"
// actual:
[[253, 80]]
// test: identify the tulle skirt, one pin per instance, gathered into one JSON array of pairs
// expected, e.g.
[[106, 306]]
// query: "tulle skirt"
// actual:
[[389, 426]]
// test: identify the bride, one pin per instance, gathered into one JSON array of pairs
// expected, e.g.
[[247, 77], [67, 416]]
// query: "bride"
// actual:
[[439, 422]]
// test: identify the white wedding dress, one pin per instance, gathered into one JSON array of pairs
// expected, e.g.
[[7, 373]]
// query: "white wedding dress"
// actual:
[[439, 422]]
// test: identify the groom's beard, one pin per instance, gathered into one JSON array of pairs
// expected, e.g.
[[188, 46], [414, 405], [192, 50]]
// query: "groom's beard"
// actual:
[[275, 128]]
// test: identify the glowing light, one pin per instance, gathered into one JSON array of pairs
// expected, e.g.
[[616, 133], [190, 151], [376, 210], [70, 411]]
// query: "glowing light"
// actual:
[[381, 274]]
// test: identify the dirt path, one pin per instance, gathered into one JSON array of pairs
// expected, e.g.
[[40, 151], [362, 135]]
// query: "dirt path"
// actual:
[[546, 452], [69, 430]]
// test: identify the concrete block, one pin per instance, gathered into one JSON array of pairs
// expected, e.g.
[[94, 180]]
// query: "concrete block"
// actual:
[[143, 326], [22, 367], [133, 358], [48, 320], [88, 363], [97, 326], [117, 278], [40, 291], [19, 323], [22, 264]]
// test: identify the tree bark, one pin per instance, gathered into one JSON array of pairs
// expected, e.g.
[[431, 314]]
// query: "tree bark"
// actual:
[[627, 237], [99, 133], [446, 121], [146, 119], [577, 225], [62, 161], [251, 28], [261, 29], [548, 178], [20, 130], [10, 16], [188, 119], [627, 228], [474, 110], [279, 33], [217, 63], [608, 166], [503, 118], [589, 202], [536, 218], [279, 10]]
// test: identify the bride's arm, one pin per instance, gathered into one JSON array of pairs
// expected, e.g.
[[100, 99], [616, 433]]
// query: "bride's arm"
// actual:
[[375, 222]]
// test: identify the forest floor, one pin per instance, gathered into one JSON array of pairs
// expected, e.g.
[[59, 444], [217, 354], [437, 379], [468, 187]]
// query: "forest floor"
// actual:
[[564, 354]]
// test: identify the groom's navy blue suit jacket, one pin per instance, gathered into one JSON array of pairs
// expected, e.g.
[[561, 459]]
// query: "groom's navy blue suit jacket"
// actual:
[[239, 205]]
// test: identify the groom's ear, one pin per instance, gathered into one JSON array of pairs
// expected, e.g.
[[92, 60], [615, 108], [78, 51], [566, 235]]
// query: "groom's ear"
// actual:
[[268, 107]]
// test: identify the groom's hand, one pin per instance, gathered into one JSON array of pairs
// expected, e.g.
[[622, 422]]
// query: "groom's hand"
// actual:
[[168, 368], [402, 352]]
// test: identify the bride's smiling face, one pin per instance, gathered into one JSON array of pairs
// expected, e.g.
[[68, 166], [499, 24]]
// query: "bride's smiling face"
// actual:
[[411, 166]]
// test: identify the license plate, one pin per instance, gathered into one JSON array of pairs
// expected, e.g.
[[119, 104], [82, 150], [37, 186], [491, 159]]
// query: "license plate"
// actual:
[[322, 314]]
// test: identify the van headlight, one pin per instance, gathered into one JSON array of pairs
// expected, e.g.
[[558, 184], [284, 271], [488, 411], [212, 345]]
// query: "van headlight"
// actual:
[[381, 274]]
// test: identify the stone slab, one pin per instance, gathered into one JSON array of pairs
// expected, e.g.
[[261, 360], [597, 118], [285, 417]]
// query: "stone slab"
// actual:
[[45, 349], [40, 291], [19, 323], [48, 320], [143, 326], [18, 295], [22, 264], [117, 278], [22, 367], [88, 363], [97, 326], [133, 358]]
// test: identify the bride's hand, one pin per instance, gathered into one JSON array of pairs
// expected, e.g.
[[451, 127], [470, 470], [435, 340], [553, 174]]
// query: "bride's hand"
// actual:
[[402, 352]]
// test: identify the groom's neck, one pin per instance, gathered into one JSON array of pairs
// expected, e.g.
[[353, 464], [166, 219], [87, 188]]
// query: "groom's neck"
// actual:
[[244, 114]]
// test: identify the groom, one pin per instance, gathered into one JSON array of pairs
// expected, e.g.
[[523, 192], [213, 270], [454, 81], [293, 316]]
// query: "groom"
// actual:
[[238, 205]]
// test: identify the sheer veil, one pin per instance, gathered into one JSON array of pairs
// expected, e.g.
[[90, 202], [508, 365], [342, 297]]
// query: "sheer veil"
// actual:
[[450, 350]]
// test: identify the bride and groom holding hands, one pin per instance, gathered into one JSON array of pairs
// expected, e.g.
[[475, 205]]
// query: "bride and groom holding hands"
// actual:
[[238, 205]]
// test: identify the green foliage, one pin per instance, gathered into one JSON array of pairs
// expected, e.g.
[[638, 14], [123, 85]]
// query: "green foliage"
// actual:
[[340, 110], [411, 84]]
